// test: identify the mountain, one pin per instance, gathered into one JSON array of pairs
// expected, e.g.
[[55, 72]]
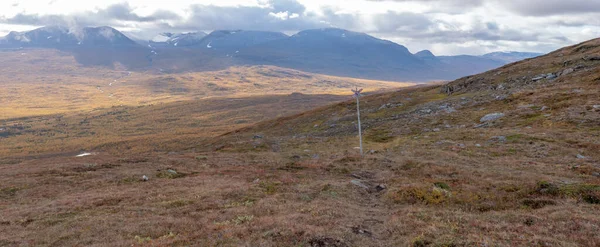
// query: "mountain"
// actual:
[[338, 52], [234, 40], [177, 39], [61, 37], [510, 56], [329, 51]]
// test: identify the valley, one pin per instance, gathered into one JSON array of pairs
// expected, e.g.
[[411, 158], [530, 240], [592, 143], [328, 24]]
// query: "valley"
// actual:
[[506, 157]]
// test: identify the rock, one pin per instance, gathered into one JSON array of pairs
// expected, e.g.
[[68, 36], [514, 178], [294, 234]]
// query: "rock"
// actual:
[[478, 145], [145, 178], [359, 184], [316, 126], [596, 174], [551, 76], [436, 130], [426, 111], [172, 171], [380, 187], [579, 156], [544, 108], [596, 106], [450, 110], [460, 145], [538, 77], [498, 138], [567, 71], [257, 137], [594, 58], [256, 181], [501, 97], [491, 117]]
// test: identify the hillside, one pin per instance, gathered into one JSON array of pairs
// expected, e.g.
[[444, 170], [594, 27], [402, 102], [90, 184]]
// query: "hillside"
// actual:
[[507, 157]]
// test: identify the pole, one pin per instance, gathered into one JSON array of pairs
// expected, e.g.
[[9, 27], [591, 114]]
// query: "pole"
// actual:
[[359, 128]]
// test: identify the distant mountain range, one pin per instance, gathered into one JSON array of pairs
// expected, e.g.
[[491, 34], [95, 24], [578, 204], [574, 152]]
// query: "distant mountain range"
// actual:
[[327, 51]]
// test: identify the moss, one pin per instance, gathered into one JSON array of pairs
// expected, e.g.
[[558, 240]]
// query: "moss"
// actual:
[[442, 185]]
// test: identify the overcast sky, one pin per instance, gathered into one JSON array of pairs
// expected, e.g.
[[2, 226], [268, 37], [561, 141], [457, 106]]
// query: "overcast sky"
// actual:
[[446, 27]]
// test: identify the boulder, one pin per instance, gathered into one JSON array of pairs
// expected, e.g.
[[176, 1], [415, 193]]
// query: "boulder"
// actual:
[[491, 117]]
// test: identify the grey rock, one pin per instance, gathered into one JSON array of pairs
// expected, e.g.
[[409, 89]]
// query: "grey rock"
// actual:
[[171, 171], [491, 117], [579, 156], [596, 174], [257, 137], [544, 108], [596, 106], [426, 111], [436, 130], [501, 97], [478, 145], [498, 138], [567, 71], [551, 76], [380, 187], [359, 184], [145, 178], [538, 77]]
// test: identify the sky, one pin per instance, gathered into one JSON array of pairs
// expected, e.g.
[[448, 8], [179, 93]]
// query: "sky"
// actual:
[[446, 27]]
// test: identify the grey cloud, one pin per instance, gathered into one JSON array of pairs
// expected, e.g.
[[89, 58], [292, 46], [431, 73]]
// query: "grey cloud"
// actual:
[[406, 21], [108, 16], [552, 7]]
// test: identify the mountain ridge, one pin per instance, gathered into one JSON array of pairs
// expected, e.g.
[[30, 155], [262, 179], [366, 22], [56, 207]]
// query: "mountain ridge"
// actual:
[[329, 51]]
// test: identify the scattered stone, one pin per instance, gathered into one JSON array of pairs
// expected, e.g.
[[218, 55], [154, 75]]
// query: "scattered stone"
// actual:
[[491, 117], [538, 77], [478, 145], [579, 156], [551, 76], [544, 108], [436, 130], [145, 178], [596, 106], [426, 111], [596, 174], [256, 181], [501, 97], [481, 125], [172, 171], [360, 230], [316, 126], [380, 187], [498, 138], [448, 126], [257, 137], [594, 58], [500, 87], [567, 71], [460, 145], [359, 184]]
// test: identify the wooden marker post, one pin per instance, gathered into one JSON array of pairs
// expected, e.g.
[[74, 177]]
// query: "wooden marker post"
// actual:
[[357, 96]]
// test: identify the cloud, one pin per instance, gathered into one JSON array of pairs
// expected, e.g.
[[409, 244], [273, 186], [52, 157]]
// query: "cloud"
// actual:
[[111, 15], [440, 23], [551, 7]]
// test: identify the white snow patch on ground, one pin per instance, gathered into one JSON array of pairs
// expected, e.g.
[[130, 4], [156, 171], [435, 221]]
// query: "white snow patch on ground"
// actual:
[[209, 46], [49, 37], [176, 44], [83, 155]]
